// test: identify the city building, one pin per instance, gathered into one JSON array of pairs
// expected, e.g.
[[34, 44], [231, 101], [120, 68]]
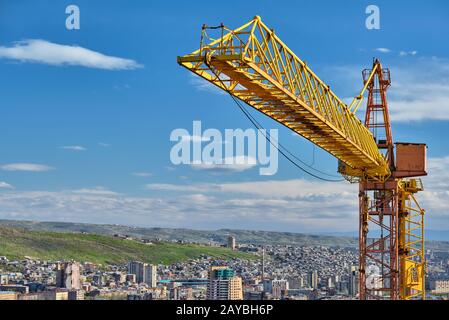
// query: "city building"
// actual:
[[137, 268], [342, 287], [353, 283], [15, 288], [330, 283], [34, 279], [131, 278], [54, 294], [4, 279], [440, 286], [97, 279], [76, 295], [296, 282], [181, 293], [313, 279], [68, 275], [145, 273], [150, 275], [231, 242], [223, 284], [119, 277], [279, 288], [33, 296], [8, 295]]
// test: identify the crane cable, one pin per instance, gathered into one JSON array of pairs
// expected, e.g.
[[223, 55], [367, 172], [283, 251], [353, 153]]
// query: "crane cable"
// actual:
[[259, 127], [267, 136]]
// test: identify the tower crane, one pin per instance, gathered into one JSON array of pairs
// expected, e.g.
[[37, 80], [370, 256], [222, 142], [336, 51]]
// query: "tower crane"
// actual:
[[254, 66]]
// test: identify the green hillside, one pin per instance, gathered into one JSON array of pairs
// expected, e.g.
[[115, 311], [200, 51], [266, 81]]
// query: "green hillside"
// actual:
[[17, 243]]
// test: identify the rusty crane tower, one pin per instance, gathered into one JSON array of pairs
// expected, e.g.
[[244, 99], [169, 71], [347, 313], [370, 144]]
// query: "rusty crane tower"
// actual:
[[253, 65]]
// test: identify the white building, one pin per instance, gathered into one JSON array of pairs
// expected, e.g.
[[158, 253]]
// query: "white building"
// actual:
[[150, 275]]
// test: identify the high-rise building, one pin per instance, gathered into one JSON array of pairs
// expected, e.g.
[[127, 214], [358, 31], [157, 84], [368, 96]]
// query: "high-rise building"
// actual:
[[330, 282], [98, 280], [150, 275], [137, 268], [279, 288], [295, 282], [343, 287], [313, 279], [76, 295], [231, 242], [263, 273], [353, 281], [223, 284], [68, 275], [144, 272]]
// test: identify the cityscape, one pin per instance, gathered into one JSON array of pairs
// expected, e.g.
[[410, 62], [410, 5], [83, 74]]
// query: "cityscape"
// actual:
[[257, 151], [277, 272]]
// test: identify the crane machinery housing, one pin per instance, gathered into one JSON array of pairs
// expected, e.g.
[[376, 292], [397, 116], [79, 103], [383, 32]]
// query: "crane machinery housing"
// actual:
[[253, 65]]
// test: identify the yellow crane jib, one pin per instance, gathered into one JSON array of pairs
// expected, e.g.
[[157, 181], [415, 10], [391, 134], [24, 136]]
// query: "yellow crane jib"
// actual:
[[255, 66]]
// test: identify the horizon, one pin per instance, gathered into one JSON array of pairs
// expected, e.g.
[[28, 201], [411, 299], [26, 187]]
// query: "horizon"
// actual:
[[344, 234]]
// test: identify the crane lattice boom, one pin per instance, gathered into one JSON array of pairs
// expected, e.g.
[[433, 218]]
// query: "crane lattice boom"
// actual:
[[254, 65]]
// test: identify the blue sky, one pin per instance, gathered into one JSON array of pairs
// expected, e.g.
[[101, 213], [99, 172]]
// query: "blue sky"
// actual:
[[94, 137]]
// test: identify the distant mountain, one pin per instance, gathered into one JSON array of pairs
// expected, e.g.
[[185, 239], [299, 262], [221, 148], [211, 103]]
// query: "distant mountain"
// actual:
[[431, 235], [16, 243], [200, 236], [207, 236]]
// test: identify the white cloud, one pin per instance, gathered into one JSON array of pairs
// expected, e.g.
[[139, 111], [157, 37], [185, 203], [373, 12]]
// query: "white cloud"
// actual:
[[183, 188], [296, 188], [45, 52], [295, 205], [33, 167], [4, 185], [408, 53], [227, 208], [74, 148], [102, 191], [382, 50], [420, 91], [402, 53], [105, 145], [142, 174], [435, 197], [419, 88]]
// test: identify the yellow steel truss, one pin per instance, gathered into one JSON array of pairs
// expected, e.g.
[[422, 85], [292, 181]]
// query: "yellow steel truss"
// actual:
[[411, 241], [254, 65]]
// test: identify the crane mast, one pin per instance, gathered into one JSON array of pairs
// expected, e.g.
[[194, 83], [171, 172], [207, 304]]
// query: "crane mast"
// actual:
[[252, 64]]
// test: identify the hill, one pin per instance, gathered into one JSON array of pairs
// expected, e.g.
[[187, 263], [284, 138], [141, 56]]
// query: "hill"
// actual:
[[206, 236], [189, 235], [48, 245]]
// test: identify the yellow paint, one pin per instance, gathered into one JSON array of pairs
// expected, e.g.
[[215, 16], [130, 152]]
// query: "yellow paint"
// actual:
[[255, 66]]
